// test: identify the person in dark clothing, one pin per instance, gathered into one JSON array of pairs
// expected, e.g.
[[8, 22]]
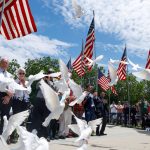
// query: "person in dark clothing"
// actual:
[[126, 113], [5, 94], [40, 112], [133, 116], [89, 106], [99, 106], [104, 114]]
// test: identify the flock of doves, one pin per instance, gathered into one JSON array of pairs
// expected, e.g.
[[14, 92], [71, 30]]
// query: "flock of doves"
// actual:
[[30, 141]]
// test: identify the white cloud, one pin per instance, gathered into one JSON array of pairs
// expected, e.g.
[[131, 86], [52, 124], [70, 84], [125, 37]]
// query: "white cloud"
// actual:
[[46, 3], [33, 46], [129, 20]]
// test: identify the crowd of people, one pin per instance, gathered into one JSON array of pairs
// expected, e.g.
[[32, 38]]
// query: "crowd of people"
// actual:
[[137, 115], [94, 106]]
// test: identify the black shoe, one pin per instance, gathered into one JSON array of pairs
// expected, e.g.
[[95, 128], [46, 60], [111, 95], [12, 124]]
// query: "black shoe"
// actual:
[[48, 139], [101, 134], [62, 137], [97, 134], [56, 137], [51, 138]]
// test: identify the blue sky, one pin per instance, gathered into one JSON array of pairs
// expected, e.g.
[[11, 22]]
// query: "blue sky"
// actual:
[[59, 35]]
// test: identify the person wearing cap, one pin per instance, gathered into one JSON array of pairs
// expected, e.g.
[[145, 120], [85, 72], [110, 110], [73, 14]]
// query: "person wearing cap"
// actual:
[[5, 95], [21, 98]]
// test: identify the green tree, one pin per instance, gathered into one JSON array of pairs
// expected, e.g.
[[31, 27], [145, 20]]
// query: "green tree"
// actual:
[[13, 67]]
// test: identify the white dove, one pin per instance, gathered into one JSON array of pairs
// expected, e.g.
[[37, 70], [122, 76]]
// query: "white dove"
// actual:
[[113, 75], [52, 102], [83, 129], [55, 75], [92, 62], [77, 92], [35, 77], [64, 70], [144, 74], [14, 121], [112, 61], [61, 85], [30, 141], [78, 10], [134, 66], [83, 147], [10, 83]]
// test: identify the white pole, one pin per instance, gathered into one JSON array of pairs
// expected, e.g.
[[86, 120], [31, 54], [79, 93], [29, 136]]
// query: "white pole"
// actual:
[[1, 17]]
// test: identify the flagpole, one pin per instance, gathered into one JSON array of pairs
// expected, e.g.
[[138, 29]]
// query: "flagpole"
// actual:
[[1, 17], [109, 103], [128, 90], [82, 82], [95, 54]]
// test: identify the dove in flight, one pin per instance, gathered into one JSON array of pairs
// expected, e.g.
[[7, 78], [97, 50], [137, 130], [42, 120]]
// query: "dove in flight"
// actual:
[[112, 61], [9, 83], [77, 92], [61, 85], [52, 102], [113, 74], [11, 124], [144, 74], [35, 77], [77, 8], [55, 75], [84, 129], [83, 147], [134, 66], [93, 62], [30, 141], [64, 70]]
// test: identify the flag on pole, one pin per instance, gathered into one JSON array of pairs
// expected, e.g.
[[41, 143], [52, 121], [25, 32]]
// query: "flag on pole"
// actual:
[[122, 69], [148, 61], [79, 63], [69, 66], [17, 19], [103, 81]]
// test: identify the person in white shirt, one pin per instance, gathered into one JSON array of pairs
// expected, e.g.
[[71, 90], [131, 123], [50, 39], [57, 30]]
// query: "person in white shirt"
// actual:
[[5, 94], [113, 112], [21, 98]]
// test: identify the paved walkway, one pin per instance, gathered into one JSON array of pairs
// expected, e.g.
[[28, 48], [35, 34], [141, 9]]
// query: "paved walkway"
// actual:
[[118, 138]]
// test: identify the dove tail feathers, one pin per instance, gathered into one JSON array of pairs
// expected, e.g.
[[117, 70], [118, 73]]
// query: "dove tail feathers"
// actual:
[[47, 121]]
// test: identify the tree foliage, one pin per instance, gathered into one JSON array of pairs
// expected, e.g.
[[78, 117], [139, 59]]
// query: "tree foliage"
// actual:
[[137, 89]]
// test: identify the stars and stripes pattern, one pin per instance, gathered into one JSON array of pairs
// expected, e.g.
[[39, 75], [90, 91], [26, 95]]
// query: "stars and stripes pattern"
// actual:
[[69, 66], [79, 63], [17, 19], [121, 72], [103, 81], [148, 61]]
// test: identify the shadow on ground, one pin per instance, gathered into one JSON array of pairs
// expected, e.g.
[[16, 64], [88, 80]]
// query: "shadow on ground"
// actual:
[[143, 132]]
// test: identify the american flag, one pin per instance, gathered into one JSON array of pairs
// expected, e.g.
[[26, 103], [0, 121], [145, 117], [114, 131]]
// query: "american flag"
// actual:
[[103, 81], [148, 61], [79, 63], [69, 66], [112, 88], [17, 19], [121, 72]]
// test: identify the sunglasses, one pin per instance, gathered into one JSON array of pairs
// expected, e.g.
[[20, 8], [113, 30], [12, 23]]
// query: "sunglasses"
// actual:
[[21, 73]]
